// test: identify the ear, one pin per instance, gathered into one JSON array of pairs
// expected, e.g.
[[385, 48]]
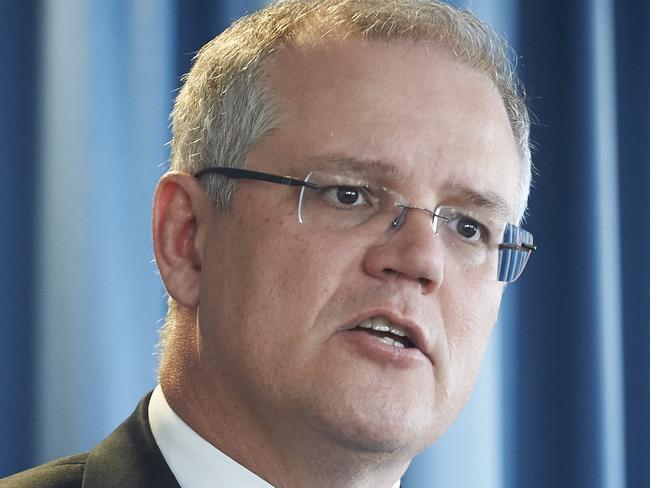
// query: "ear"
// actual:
[[180, 209]]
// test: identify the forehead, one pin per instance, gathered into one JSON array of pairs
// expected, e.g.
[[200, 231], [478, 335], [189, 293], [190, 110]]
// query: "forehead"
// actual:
[[399, 104]]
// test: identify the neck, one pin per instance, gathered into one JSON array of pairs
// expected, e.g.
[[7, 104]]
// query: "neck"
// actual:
[[286, 452]]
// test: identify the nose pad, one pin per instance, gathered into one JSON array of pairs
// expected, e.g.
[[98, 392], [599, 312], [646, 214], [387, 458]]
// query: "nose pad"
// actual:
[[397, 222]]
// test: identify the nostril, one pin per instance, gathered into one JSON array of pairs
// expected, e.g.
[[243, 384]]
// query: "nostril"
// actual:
[[424, 282]]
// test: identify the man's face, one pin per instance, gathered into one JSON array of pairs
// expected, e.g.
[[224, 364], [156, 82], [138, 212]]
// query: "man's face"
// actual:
[[279, 299]]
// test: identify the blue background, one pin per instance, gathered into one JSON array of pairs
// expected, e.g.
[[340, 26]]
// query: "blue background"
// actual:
[[85, 90]]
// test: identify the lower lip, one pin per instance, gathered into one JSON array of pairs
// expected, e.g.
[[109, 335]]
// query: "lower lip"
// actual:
[[370, 346]]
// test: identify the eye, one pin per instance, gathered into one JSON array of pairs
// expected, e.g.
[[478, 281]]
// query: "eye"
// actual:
[[348, 195], [344, 197], [467, 228]]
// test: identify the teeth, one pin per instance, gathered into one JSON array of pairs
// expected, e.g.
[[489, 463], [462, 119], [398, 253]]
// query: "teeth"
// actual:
[[366, 324], [398, 332], [381, 324], [390, 342]]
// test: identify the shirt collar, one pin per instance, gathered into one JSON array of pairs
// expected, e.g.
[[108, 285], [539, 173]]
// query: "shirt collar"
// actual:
[[194, 461]]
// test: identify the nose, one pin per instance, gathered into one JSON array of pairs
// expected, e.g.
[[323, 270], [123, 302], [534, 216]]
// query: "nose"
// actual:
[[412, 251]]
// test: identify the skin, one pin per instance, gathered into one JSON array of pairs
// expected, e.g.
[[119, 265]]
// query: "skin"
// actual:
[[263, 365]]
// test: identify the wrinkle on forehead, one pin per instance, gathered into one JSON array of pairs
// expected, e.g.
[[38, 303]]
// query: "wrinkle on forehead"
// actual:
[[358, 166]]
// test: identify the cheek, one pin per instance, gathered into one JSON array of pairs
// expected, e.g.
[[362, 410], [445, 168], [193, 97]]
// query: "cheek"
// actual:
[[469, 321], [272, 320], [275, 278], [300, 270]]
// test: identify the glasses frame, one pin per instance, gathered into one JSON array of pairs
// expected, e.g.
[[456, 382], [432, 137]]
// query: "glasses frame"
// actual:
[[247, 174], [238, 173]]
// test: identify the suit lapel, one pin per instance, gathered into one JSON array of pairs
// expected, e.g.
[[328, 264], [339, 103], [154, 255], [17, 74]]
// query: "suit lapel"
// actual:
[[129, 457]]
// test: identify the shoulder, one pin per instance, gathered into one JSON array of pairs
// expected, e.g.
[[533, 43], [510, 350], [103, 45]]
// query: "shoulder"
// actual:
[[128, 458], [66, 472]]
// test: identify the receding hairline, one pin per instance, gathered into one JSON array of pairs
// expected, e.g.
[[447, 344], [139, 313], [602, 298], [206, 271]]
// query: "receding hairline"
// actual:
[[249, 44]]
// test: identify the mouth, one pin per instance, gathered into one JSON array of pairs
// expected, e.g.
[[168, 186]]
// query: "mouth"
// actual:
[[386, 332], [390, 339]]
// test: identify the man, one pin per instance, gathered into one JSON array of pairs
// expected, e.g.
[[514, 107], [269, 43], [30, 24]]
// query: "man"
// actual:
[[334, 235]]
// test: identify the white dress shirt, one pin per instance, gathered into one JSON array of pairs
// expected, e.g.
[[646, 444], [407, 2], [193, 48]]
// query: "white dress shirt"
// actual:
[[194, 461]]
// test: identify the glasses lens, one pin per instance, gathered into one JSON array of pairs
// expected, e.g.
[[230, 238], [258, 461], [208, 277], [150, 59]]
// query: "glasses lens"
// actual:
[[339, 202], [468, 238], [512, 255]]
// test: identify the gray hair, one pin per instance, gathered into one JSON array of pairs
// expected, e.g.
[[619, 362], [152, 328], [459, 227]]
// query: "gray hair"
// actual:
[[224, 108]]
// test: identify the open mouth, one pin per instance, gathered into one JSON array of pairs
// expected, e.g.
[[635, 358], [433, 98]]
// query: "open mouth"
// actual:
[[385, 331]]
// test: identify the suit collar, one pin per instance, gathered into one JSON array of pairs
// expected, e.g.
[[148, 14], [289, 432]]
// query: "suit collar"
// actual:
[[129, 457]]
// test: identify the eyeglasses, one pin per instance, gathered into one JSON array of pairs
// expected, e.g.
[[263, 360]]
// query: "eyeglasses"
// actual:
[[474, 240]]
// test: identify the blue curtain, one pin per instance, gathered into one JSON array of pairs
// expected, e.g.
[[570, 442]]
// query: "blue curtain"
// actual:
[[85, 90]]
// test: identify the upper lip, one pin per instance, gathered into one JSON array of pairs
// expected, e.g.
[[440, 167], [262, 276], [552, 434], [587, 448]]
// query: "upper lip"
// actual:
[[416, 332]]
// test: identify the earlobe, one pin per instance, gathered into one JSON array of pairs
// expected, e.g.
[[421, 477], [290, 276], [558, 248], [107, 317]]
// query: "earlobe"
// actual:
[[177, 210]]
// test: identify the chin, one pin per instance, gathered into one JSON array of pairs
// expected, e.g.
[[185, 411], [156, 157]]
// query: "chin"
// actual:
[[399, 442], [381, 428]]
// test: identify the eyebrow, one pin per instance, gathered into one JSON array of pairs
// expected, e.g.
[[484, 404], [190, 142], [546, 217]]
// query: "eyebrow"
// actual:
[[488, 199], [351, 164]]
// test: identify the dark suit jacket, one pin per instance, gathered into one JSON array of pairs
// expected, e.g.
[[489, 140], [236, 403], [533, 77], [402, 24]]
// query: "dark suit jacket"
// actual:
[[128, 458]]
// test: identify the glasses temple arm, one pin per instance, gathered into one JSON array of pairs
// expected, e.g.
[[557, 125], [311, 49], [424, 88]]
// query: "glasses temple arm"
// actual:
[[517, 247], [255, 175]]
